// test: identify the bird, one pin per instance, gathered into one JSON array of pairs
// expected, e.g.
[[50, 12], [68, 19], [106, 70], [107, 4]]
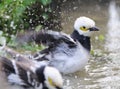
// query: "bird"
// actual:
[[68, 53], [29, 74]]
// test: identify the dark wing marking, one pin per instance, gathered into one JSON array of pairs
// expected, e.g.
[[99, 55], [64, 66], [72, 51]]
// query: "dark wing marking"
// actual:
[[50, 37], [40, 56], [7, 66], [28, 77]]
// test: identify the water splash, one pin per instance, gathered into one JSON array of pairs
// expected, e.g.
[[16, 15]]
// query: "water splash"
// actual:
[[113, 35]]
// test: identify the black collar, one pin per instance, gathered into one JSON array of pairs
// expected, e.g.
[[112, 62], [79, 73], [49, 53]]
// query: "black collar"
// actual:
[[84, 40], [40, 75]]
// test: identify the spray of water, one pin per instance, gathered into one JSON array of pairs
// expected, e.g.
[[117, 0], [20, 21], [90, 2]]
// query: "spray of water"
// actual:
[[113, 35]]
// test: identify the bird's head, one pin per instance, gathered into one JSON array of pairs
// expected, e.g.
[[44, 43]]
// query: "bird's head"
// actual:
[[53, 78], [85, 26]]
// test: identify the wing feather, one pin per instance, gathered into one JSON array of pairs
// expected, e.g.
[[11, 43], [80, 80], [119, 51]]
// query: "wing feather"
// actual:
[[50, 37], [19, 72]]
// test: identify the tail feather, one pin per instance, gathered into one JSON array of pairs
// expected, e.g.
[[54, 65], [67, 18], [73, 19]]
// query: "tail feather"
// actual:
[[16, 73], [7, 66]]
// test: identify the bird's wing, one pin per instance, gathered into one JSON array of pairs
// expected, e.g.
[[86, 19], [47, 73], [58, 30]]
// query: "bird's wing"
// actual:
[[50, 37], [19, 72], [24, 61]]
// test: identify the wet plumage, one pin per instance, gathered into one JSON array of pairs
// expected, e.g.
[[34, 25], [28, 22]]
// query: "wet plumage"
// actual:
[[68, 53], [29, 74]]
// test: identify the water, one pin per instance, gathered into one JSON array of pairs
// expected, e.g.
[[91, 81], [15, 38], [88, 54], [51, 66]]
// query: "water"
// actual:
[[95, 10], [102, 70]]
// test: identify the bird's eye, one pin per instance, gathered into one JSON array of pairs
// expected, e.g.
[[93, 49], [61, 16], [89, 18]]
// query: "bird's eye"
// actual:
[[83, 28]]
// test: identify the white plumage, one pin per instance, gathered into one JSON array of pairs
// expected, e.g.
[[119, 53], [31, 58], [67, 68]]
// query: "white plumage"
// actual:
[[68, 53], [30, 74]]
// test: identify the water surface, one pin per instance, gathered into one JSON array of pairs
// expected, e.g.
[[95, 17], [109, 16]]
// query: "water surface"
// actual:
[[102, 70]]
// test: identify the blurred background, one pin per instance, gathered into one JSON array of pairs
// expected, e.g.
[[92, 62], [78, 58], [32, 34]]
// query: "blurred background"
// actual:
[[103, 71]]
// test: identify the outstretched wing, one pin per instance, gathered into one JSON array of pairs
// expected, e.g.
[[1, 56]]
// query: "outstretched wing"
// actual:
[[24, 61], [19, 72], [53, 40], [50, 37]]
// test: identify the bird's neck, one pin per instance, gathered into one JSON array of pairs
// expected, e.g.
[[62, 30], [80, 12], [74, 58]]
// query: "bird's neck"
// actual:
[[84, 40], [40, 74]]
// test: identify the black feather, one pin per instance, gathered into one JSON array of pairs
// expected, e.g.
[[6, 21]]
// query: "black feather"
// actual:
[[40, 75], [84, 40], [51, 39], [31, 80], [7, 66]]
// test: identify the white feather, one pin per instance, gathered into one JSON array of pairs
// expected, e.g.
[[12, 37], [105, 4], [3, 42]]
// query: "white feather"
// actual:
[[56, 77], [84, 21], [15, 67], [28, 75], [72, 62], [14, 78]]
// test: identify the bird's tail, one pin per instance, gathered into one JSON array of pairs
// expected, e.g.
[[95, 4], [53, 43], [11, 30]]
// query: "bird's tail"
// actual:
[[6, 65], [15, 71]]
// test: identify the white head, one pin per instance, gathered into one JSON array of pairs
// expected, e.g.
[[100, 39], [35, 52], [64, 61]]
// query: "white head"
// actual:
[[53, 78], [84, 26]]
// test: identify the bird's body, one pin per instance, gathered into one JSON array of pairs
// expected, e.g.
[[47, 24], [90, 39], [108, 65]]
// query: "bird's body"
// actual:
[[68, 60], [67, 57], [68, 53], [29, 74]]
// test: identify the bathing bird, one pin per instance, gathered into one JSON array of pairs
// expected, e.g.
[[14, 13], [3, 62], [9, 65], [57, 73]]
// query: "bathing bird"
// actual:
[[29, 74], [67, 53]]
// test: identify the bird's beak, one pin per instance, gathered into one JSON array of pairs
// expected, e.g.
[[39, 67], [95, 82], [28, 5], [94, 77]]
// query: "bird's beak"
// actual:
[[94, 29]]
